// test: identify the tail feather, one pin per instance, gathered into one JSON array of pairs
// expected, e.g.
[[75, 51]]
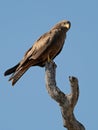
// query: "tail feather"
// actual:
[[17, 75], [11, 70], [17, 71]]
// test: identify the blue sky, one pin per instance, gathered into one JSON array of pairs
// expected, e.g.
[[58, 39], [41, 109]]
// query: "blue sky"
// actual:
[[28, 105]]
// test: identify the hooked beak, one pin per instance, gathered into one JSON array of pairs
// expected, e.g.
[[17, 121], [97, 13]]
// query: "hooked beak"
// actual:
[[68, 25]]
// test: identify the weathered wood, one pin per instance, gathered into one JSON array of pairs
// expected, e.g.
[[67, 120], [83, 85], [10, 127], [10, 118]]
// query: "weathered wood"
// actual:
[[66, 102]]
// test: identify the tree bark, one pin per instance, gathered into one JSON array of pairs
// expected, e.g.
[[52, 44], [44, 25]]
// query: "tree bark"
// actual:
[[66, 102]]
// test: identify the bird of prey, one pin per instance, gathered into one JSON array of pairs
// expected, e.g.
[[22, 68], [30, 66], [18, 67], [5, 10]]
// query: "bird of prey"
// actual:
[[46, 48]]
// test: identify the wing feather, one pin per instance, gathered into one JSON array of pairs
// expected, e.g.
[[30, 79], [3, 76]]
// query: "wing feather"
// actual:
[[39, 46], [43, 43]]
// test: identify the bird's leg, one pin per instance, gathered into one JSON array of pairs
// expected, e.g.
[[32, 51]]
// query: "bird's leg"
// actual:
[[49, 60]]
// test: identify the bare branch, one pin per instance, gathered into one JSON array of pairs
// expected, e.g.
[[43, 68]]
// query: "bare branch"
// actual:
[[66, 102]]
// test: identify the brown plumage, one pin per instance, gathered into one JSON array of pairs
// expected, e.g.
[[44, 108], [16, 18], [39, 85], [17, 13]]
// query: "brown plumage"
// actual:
[[47, 46]]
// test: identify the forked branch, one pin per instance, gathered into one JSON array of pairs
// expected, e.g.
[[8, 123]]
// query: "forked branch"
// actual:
[[66, 102]]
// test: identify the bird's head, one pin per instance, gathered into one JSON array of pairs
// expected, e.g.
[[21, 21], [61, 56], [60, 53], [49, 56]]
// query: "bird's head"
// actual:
[[63, 25]]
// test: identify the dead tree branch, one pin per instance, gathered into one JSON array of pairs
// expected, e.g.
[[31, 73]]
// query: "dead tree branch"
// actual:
[[66, 102]]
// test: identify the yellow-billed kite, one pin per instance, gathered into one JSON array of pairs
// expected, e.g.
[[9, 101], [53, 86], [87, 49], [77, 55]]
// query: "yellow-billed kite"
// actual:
[[48, 46]]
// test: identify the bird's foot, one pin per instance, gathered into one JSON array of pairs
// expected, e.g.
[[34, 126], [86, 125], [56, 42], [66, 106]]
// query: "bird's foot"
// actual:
[[49, 59]]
